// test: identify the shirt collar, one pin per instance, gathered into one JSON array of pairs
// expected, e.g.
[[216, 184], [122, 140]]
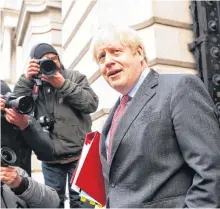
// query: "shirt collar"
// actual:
[[138, 83]]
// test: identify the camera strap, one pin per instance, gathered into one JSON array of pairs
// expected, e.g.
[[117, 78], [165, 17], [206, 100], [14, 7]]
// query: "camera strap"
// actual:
[[35, 90], [50, 97]]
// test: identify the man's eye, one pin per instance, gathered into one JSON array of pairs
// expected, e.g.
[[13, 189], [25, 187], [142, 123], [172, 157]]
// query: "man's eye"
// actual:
[[101, 57], [116, 51]]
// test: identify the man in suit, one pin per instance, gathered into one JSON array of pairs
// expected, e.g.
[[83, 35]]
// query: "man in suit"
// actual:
[[160, 147]]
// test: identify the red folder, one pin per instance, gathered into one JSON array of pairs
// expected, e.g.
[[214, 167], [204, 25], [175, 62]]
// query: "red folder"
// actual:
[[90, 178]]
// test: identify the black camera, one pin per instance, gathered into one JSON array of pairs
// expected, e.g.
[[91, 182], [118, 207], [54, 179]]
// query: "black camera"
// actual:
[[47, 66], [22, 104], [8, 157], [46, 123]]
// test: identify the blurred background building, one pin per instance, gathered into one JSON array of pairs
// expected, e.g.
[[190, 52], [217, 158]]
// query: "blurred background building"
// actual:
[[68, 25]]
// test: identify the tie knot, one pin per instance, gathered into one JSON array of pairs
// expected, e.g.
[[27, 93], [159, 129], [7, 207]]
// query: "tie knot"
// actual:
[[124, 99]]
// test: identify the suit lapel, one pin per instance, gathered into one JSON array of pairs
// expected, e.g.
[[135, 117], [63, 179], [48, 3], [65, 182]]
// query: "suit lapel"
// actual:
[[143, 95]]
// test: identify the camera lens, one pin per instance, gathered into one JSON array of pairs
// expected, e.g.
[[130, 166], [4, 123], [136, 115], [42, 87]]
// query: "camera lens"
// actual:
[[26, 105], [8, 157], [48, 67], [23, 104]]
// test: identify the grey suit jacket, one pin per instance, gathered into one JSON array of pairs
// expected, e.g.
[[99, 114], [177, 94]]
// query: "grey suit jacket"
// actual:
[[166, 148]]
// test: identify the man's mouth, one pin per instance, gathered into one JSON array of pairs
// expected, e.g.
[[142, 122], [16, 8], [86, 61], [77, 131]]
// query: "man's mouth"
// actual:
[[113, 72]]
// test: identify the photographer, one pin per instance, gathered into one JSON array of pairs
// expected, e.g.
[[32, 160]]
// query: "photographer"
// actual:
[[64, 101], [18, 190], [17, 130]]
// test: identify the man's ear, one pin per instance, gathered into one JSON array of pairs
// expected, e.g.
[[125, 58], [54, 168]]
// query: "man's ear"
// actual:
[[140, 53]]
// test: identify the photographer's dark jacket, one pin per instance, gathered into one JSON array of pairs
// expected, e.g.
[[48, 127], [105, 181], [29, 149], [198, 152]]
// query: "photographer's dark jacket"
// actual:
[[12, 137], [21, 142], [70, 106]]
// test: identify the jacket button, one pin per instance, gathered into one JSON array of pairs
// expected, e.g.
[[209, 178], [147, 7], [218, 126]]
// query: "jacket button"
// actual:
[[112, 185]]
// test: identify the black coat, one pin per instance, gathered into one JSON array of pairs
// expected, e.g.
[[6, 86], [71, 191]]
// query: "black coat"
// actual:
[[12, 137], [23, 142]]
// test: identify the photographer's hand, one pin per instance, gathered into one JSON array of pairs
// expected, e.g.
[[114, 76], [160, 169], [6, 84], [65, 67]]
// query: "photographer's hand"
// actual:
[[57, 80], [33, 69], [10, 176], [2, 103], [16, 118]]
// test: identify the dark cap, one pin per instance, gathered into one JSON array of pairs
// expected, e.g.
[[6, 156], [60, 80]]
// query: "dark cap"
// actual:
[[41, 49], [4, 88]]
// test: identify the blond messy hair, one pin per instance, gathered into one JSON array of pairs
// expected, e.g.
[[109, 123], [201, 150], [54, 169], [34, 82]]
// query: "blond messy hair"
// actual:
[[126, 35]]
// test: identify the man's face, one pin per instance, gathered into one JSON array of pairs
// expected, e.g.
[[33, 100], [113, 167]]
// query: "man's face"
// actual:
[[119, 66], [53, 57]]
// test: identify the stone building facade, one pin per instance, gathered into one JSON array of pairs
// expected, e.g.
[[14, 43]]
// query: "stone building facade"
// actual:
[[165, 27]]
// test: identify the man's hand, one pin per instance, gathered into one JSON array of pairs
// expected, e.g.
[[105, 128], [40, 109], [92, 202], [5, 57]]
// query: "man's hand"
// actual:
[[2, 103], [16, 118], [33, 69], [57, 80], [10, 176]]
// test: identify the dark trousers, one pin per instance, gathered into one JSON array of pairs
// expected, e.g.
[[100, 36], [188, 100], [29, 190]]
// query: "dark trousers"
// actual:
[[55, 176]]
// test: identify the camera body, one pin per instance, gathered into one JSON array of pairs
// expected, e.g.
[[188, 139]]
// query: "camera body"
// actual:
[[46, 123], [8, 157], [22, 104], [47, 66]]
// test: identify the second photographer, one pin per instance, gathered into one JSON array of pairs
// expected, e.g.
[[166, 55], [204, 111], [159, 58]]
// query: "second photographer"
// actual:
[[18, 189], [18, 131], [64, 101]]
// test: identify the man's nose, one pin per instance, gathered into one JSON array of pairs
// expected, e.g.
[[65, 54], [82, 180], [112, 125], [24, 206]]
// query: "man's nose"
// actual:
[[108, 60]]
